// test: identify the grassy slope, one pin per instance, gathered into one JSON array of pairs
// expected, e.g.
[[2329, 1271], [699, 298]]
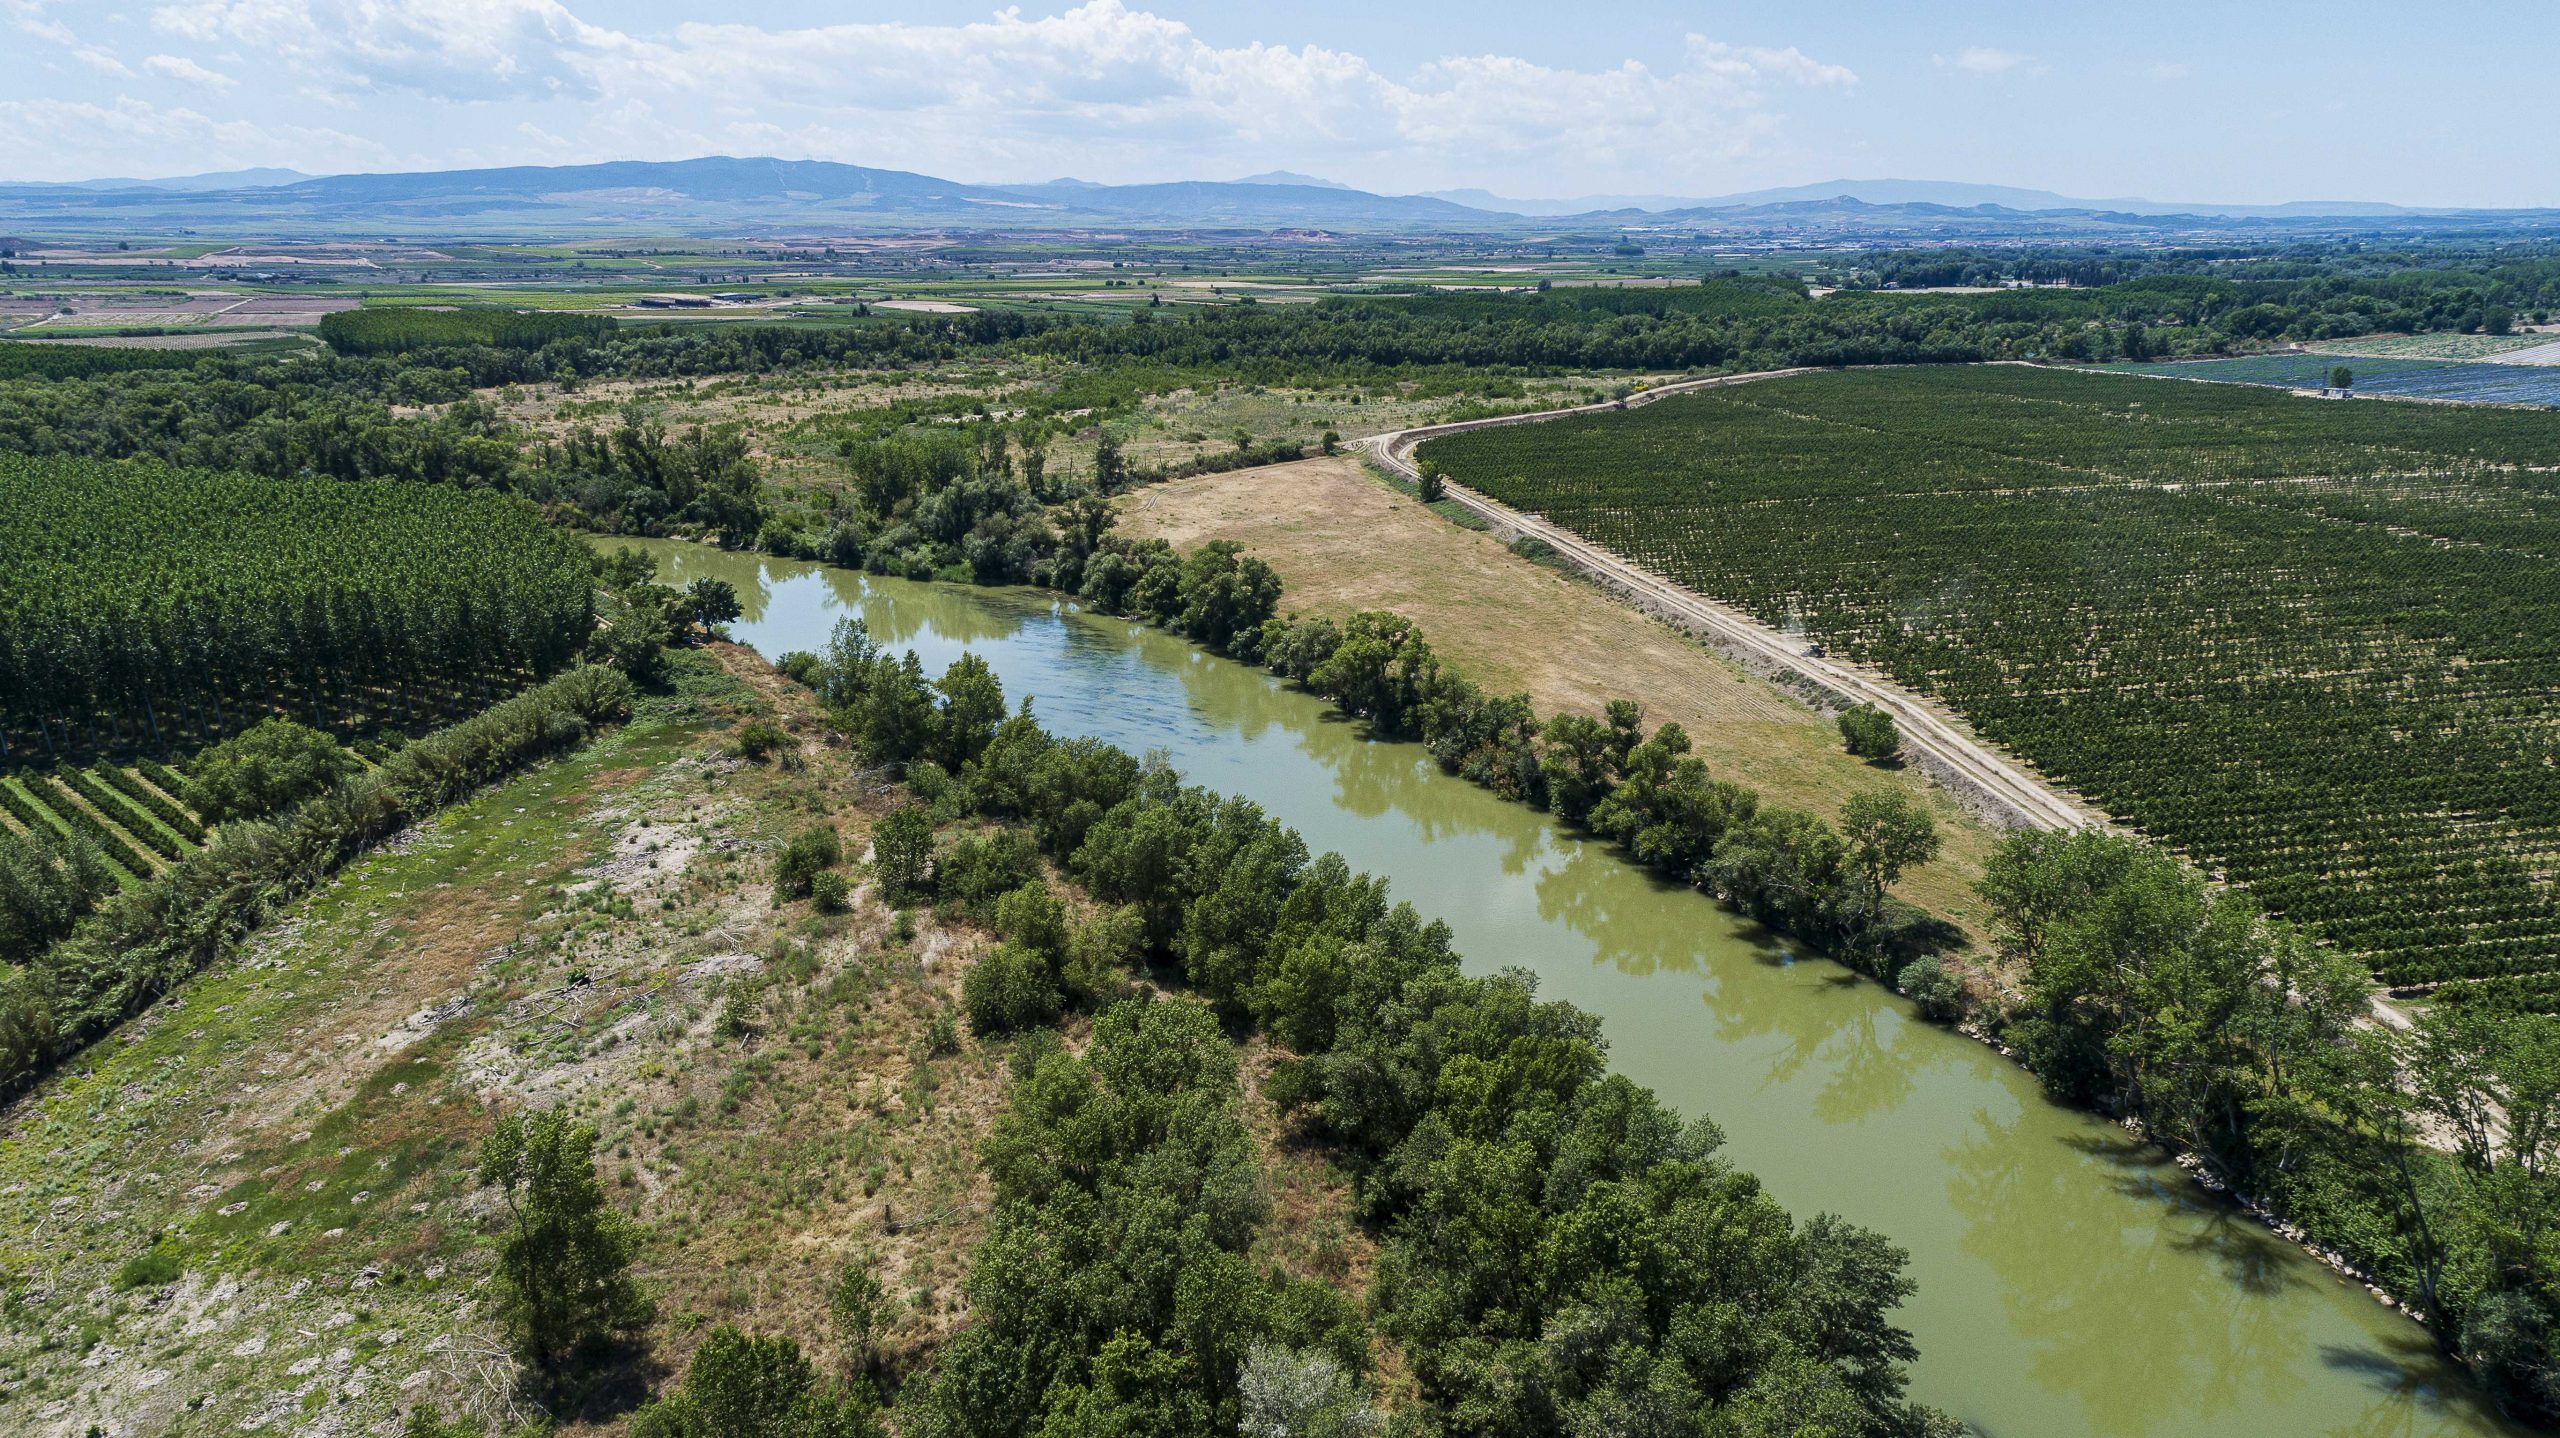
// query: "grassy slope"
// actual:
[[300, 1124], [1343, 541]]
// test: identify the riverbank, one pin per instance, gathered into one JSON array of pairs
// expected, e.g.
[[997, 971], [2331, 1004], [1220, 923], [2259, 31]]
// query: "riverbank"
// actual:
[[2072, 1279]]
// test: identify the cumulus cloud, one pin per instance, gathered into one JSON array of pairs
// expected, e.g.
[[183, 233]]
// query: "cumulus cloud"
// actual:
[[450, 49], [1984, 60], [1101, 88]]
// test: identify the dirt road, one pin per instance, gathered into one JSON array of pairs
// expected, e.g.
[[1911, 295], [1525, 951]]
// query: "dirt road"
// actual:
[[1928, 732]]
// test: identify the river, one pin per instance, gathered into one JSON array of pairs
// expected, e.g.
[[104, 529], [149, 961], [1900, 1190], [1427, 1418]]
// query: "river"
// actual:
[[2070, 1282]]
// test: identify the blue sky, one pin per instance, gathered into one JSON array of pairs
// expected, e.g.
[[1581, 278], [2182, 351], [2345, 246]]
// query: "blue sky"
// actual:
[[2240, 100]]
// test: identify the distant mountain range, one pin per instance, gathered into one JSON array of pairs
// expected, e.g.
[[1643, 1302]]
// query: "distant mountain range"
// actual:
[[721, 194], [216, 180]]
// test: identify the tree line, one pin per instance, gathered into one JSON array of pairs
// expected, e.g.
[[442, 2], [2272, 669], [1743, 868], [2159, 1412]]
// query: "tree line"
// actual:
[[148, 938], [1511, 1177]]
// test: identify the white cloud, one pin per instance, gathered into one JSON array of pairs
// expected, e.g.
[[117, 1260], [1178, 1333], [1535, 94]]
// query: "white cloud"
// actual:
[[179, 67], [1101, 89], [2172, 70], [87, 137], [29, 18], [451, 49], [1984, 60]]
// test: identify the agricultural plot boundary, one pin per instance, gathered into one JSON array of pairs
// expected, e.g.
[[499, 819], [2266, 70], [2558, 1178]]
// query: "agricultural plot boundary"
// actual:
[[1999, 784]]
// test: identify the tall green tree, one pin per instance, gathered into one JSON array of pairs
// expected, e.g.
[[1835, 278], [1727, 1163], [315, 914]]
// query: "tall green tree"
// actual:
[[1890, 832], [564, 1266]]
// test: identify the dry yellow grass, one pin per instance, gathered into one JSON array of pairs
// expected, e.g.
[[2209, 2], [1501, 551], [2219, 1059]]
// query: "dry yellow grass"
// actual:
[[1342, 541]]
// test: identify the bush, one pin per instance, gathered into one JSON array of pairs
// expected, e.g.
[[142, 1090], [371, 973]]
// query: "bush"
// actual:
[[47, 881], [637, 644], [830, 892], [1870, 732], [1937, 993], [742, 1386], [150, 1270], [1033, 918], [902, 850], [858, 1308], [978, 869], [810, 852], [1103, 952], [269, 768], [1011, 988], [757, 740], [1430, 482]]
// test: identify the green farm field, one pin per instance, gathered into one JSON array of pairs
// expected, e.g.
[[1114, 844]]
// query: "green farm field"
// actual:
[[2311, 644]]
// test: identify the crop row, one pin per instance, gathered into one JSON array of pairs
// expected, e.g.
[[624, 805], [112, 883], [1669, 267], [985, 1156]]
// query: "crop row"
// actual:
[[113, 808], [2310, 644], [140, 603]]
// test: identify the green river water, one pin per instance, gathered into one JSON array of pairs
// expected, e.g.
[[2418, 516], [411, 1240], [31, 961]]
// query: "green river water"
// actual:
[[2070, 1282]]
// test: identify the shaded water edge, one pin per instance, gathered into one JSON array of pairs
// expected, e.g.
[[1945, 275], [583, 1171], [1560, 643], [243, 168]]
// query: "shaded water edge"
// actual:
[[2071, 1278]]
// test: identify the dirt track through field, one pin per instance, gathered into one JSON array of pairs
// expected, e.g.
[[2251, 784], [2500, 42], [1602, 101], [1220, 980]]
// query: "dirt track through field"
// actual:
[[1929, 732]]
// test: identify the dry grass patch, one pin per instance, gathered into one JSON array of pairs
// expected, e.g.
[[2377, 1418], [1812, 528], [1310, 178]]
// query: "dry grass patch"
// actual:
[[1343, 541]]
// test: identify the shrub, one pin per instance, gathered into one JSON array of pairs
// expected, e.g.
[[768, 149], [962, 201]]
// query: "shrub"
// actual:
[[1870, 732], [1103, 952], [47, 881], [149, 1270], [637, 644], [858, 1308], [1011, 988], [941, 1035], [810, 852], [902, 850], [743, 1386], [830, 892], [1937, 993], [758, 739], [1033, 918], [977, 869], [264, 770]]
